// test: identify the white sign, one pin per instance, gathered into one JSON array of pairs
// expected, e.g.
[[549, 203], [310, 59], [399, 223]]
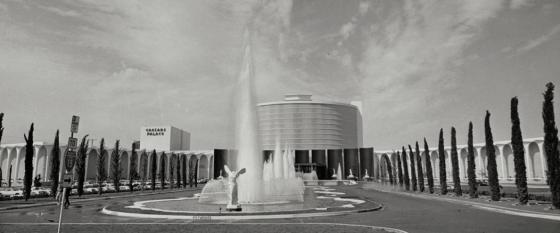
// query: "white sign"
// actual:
[[75, 124], [67, 181], [72, 143]]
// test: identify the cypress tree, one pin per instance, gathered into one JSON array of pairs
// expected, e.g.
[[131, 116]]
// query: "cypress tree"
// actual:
[[389, 168], [132, 170], [184, 170], [429, 173], [473, 186], [442, 174], [81, 165], [101, 171], [115, 167], [171, 170], [55, 165], [399, 169], [153, 169], [28, 175], [491, 153], [518, 154], [412, 169], [1, 126], [143, 168], [10, 177], [405, 168], [455, 164], [551, 145], [162, 170], [420, 171], [178, 171]]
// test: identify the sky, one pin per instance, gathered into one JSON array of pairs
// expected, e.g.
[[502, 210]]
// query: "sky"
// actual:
[[417, 66]]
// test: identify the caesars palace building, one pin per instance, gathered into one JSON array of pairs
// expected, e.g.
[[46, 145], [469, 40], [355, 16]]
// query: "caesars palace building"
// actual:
[[323, 134]]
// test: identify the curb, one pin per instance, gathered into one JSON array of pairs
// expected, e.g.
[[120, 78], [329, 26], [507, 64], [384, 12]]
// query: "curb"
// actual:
[[488, 207], [92, 199]]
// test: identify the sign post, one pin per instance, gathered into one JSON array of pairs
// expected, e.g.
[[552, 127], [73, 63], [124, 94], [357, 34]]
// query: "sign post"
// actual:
[[69, 161]]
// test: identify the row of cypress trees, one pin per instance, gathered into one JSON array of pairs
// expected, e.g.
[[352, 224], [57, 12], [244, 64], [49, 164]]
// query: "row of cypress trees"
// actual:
[[551, 151]]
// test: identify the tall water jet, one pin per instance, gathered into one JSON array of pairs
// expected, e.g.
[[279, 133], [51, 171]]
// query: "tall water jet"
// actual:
[[246, 140]]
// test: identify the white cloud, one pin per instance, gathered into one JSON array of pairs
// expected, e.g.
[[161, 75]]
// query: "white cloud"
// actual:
[[516, 4], [539, 40]]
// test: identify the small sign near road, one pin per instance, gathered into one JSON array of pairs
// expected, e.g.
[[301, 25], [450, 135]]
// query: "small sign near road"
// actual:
[[69, 160], [72, 143], [75, 124], [67, 181]]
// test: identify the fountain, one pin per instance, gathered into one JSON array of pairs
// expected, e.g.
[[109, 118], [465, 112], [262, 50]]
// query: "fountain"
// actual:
[[260, 187]]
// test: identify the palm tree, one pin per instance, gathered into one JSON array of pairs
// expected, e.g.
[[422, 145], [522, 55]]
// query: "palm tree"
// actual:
[[518, 154], [28, 175], [420, 172], [551, 145], [491, 156], [55, 165], [455, 164], [442, 174], [429, 172], [473, 192]]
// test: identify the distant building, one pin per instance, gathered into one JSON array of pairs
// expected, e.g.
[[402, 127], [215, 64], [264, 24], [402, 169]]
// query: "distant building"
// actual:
[[164, 138]]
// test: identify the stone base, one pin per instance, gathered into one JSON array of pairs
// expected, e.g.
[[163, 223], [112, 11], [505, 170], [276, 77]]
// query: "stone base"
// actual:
[[233, 207]]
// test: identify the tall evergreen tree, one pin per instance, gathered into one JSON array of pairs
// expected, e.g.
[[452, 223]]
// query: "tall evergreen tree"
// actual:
[[412, 169], [178, 171], [551, 145], [405, 168], [455, 164], [473, 186], [518, 154], [171, 170], [28, 175], [143, 168], [419, 167], [55, 165], [1, 133], [184, 170], [10, 177], [389, 168], [399, 170], [153, 169], [162, 161], [115, 167], [491, 156], [101, 170], [81, 165], [1, 126], [442, 170], [429, 173], [132, 170]]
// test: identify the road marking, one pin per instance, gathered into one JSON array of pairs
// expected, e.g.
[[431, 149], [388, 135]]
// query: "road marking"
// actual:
[[388, 229]]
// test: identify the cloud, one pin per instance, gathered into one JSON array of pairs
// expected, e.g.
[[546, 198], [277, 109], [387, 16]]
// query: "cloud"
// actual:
[[529, 45], [516, 4]]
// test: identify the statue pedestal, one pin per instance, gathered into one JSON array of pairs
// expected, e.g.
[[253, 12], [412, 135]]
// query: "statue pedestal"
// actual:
[[233, 207]]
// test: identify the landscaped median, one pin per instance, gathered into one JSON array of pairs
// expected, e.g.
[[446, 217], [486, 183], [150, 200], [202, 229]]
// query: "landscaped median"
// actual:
[[536, 209], [18, 204]]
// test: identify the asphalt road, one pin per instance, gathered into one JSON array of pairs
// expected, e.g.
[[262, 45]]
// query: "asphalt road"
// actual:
[[402, 212]]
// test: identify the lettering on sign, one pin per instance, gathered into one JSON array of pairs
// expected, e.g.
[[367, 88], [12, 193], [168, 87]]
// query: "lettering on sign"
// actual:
[[67, 181], [155, 131], [69, 160], [72, 143], [75, 124]]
